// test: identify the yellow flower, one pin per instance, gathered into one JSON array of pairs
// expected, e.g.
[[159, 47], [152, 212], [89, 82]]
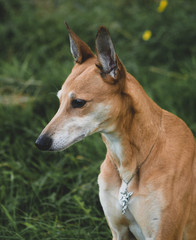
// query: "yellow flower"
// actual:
[[162, 6], [147, 35]]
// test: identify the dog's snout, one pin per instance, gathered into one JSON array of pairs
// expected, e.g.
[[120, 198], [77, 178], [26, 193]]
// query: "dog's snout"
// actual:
[[44, 142]]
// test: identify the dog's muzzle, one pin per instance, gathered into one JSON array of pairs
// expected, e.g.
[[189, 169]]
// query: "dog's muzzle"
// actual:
[[44, 142]]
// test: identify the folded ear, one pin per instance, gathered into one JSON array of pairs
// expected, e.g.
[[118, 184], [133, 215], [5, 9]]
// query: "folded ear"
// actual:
[[79, 49], [107, 58]]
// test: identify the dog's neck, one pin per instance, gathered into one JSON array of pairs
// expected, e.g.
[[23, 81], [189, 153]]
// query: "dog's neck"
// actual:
[[136, 132]]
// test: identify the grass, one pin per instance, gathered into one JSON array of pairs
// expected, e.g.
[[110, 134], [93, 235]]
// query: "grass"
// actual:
[[55, 195]]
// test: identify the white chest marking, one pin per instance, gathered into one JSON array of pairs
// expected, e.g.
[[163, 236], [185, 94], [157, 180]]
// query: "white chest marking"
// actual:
[[114, 144]]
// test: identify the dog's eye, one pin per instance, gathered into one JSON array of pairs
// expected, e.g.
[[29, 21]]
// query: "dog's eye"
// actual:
[[78, 103]]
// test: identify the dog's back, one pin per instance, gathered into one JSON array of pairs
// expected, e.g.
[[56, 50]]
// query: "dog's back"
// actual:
[[190, 228], [181, 148]]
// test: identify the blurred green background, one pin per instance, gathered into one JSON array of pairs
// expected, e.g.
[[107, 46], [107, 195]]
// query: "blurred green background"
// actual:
[[55, 195]]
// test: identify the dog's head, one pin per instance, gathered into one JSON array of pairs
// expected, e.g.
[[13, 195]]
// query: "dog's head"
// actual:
[[91, 97]]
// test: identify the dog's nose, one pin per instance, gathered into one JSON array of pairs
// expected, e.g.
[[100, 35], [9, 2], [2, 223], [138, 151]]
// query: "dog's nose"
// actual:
[[44, 142]]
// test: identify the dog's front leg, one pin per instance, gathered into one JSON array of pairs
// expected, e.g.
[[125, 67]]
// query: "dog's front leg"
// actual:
[[109, 185], [117, 222]]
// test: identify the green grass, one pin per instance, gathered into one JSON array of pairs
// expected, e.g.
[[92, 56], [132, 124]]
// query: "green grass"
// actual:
[[55, 195]]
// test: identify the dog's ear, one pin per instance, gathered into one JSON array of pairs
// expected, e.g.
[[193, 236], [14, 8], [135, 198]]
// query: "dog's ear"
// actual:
[[79, 49], [108, 61]]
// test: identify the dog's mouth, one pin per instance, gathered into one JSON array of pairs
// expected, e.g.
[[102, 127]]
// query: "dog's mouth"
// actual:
[[55, 147], [46, 143]]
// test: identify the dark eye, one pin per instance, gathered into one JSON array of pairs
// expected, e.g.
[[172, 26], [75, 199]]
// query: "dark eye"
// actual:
[[78, 103]]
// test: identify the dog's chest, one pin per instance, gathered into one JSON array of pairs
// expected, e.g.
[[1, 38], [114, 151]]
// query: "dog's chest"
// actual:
[[142, 214]]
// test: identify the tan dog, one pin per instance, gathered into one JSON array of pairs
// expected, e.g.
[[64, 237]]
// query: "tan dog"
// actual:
[[147, 181]]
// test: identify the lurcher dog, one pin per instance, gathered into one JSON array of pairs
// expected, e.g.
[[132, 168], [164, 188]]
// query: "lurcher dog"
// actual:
[[147, 180]]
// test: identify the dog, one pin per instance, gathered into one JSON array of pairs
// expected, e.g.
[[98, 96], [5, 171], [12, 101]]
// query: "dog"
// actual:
[[147, 180]]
